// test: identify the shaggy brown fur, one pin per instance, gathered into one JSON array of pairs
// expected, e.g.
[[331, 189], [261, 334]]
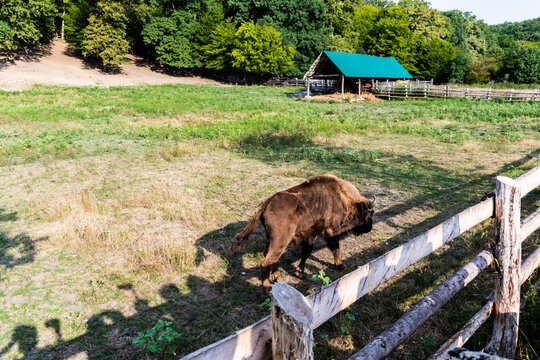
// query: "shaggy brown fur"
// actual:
[[323, 205]]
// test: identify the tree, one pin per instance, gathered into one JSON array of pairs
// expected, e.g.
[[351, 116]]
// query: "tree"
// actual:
[[481, 70], [304, 24], [425, 22], [75, 21], [433, 57], [528, 66], [105, 35], [6, 36], [457, 69], [171, 38], [362, 23], [217, 52], [259, 49], [29, 20], [392, 37], [527, 30]]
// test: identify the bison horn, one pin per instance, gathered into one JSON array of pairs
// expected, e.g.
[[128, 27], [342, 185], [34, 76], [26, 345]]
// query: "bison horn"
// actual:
[[371, 203]]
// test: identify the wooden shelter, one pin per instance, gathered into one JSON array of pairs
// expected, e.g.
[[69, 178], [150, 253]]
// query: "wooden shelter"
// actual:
[[350, 71]]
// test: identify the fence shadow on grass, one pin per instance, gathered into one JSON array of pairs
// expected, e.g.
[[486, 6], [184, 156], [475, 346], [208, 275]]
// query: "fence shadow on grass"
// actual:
[[441, 189]]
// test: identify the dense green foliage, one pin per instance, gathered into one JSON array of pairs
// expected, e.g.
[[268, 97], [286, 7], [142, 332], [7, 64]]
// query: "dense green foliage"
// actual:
[[260, 36], [171, 37], [29, 20], [528, 66], [105, 35], [258, 49], [304, 24], [6, 36]]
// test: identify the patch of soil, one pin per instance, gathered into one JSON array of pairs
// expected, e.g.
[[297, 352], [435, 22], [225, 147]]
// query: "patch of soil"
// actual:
[[349, 97], [59, 65]]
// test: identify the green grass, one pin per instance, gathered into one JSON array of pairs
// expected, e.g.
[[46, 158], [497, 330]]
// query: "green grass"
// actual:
[[118, 206]]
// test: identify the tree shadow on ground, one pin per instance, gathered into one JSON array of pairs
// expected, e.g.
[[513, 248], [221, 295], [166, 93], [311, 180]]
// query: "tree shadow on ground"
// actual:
[[15, 250], [28, 54], [195, 311], [92, 63]]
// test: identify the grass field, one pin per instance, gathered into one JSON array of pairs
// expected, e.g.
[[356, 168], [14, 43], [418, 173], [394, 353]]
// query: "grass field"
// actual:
[[118, 206]]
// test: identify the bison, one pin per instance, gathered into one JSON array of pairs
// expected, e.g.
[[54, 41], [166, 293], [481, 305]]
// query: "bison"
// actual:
[[323, 206]]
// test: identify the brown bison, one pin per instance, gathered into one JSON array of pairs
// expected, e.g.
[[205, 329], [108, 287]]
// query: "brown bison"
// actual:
[[323, 205]]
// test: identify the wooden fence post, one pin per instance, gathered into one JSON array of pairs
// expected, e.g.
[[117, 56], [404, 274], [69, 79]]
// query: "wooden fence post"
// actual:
[[466, 93], [511, 94], [446, 91], [508, 255], [292, 324], [307, 96], [342, 87], [425, 90], [489, 94], [535, 94]]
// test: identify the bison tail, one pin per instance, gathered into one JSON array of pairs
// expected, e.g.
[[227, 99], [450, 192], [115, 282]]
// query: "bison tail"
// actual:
[[242, 237]]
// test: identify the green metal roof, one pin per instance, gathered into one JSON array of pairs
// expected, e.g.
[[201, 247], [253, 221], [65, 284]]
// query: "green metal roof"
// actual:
[[367, 66]]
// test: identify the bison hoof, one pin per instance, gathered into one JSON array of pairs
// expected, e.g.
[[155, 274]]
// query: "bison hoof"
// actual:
[[300, 274], [340, 267]]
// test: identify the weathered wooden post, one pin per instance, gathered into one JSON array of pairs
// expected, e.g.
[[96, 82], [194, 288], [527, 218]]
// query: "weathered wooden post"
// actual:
[[292, 324], [342, 87], [425, 90], [535, 94], [406, 94], [508, 255], [446, 91], [307, 96], [489, 94], [511, 94], [466, 93]]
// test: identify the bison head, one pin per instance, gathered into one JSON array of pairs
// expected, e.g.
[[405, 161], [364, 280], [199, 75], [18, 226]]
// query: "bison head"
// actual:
[[365, 219]]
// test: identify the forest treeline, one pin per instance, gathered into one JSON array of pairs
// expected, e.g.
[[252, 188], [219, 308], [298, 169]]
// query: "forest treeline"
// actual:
[[274, 37]]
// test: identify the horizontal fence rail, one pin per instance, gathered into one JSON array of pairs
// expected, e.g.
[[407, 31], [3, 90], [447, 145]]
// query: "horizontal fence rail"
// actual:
[[254, 342], [385, 343], [460, 338]]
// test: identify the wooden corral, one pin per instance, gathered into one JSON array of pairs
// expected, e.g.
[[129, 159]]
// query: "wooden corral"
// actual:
[[425, 89]]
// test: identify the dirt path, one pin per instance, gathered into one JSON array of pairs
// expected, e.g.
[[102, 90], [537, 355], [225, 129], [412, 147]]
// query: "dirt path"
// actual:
[[58, 67]]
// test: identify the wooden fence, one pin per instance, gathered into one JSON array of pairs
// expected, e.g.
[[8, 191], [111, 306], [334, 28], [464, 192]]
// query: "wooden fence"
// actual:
[[289, 330], [419, 90]]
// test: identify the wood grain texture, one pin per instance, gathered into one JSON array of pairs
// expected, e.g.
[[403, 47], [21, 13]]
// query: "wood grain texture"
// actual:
[[530, 224], [508, 253], [385, 343], [527, 268], [292, 324]]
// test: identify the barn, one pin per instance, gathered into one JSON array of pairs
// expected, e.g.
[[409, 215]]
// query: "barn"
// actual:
[[353, 72]]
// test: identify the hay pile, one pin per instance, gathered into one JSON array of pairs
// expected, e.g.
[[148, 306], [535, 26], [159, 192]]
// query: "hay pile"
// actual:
[[349, 97]]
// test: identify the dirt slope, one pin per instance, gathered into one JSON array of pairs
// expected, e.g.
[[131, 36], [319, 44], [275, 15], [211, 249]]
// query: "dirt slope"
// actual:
[[58, 67]]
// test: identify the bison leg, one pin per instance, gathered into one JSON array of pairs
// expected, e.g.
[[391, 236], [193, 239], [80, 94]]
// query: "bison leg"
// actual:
[[333, 245], [269, 263], [307, 248]]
